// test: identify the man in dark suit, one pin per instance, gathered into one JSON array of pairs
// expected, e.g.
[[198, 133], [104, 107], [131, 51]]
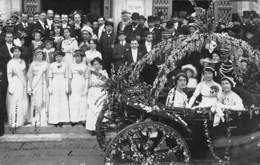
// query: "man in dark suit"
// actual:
[[50, 22], [42, 25], [154, 30], [134, 30], [77, 26], [150, 71], [24, 28], [106, 45], [2, 38], [120, 49], [5, 57], [134, 54], [125, 21]]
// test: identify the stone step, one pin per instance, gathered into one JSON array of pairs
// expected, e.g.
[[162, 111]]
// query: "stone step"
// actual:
[[29, 129]]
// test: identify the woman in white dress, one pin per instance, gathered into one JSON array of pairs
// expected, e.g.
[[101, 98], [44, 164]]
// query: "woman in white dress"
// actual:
[[96, 93], [68, 46], [78, 86], [38, 89], [58, 89], [91, 53], [177, 97], [17, 101], [208, 88]]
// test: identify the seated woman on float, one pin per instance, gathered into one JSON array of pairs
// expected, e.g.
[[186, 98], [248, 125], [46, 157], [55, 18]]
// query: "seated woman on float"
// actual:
[[208, 88], [177, 97], [228, 99]]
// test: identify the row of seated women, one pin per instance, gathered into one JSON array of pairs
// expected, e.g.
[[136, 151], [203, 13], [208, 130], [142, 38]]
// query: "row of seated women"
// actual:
[[213, 94], [54, 93]]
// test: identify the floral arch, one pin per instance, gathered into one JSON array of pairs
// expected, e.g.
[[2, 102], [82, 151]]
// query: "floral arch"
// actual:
[[171, 51]]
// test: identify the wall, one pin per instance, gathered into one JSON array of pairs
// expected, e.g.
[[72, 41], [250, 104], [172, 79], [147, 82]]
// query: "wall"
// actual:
[[245, 5], [9, 6], [142, 6]]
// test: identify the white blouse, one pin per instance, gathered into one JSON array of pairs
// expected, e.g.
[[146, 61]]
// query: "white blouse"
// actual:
[[231, 101]]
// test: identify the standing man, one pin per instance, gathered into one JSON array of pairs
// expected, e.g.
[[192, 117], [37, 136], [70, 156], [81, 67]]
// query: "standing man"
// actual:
[[41, 25], [65, 21], [154, 30], [101, 26], [77, 26], [120, 50], [106, 43], [134, 54], [23, 27], [150, 71], [5, 57], [2, 40], [125, 21], [134, 30], [49, 21]]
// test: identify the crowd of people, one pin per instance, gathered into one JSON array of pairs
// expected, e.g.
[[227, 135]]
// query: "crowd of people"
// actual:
[[53, 66]]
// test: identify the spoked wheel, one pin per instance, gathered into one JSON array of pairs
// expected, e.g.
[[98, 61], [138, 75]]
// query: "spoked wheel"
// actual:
[[147, 143], [109, 123]]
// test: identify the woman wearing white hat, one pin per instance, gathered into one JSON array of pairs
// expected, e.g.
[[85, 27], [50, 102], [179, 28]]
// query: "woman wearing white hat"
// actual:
[[191, 72]]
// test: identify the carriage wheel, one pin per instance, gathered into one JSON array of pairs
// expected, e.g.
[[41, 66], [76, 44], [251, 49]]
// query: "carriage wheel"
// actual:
[[147, 143], [109, 123]]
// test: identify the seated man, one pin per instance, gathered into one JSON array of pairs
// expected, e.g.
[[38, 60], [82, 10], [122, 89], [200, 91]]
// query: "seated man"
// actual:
[[177, 97]]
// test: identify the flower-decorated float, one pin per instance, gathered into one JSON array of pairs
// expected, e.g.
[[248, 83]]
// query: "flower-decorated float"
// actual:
[[136, 126]]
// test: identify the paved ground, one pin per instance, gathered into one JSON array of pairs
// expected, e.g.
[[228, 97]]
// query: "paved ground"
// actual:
[[50, 146]]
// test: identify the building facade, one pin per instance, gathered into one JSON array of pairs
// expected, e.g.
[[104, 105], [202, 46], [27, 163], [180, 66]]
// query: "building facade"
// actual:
[[113, 8]]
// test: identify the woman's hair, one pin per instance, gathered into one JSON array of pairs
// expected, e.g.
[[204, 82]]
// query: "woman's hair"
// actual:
[[68, 30], [179, 75], [48, 41], [97, 59], [39, 50]]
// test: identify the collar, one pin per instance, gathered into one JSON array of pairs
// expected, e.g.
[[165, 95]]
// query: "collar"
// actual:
[[9, 44]]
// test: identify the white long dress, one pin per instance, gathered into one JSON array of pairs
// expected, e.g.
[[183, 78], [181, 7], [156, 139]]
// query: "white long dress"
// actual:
[[68, 46], [95, 100], [40, 97], [77, 100], [208, 98], [17, 100], [59, 105]]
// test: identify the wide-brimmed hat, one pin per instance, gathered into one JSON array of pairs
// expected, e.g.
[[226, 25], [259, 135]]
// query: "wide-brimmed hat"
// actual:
[[125, 12], [207, 60], [16, 48], [87, 29], [194, 24], [230, 79], [190, 67]]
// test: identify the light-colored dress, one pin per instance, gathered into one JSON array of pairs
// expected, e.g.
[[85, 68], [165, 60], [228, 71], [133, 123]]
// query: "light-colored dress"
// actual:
[[176, 98], [90, 55], [37, 75], [78, 98], [209, 97], [68, 46], [231, 101], [96, 97], [17, 101], [59, 105]]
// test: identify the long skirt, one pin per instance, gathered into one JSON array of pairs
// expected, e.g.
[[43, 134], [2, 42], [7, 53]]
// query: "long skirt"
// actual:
[[39, 104], [96, 98], [59, 105], [77, 101], [17, 103]]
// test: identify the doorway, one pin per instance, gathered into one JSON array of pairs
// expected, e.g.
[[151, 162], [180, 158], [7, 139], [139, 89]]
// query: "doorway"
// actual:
[[68, 6], [178, 7]]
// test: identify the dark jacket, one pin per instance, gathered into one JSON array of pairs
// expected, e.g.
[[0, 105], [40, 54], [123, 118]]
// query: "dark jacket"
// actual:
[[128, 58], [132, 33], [118, 54]]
